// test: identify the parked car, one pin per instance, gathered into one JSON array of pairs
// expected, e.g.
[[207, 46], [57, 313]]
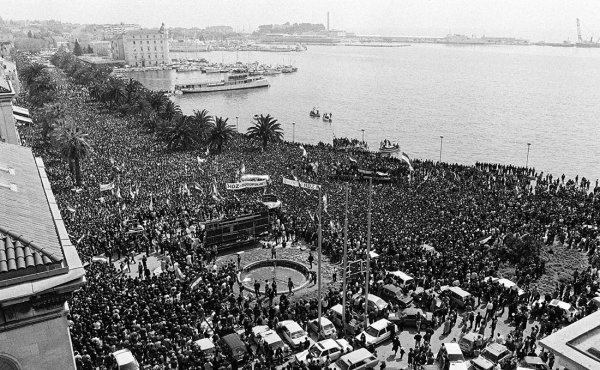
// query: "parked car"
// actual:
[[402, 279], [206, 347], [331, 348], [327, 328], [292, 332], [271, 338], [354, 322], [377, 332], [534, 363], [375, 303], [360, 359], [395, 294], [232, 345], [124, 360], [409, 317], [455, 357], [493, 354], [468, 343]]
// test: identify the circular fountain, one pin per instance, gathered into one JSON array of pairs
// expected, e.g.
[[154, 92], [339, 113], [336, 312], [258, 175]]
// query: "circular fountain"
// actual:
[[279, 270]]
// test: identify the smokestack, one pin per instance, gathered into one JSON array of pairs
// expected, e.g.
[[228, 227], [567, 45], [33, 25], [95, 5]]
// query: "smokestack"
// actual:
[[327, 21]]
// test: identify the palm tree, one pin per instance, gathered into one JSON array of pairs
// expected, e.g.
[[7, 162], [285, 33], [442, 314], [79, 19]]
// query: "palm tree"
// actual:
[[49, 116], [219, 133], [73, 146], [31, 72], [181, 134], [170, 111], [203, 123], [266, 129], [158, 100]]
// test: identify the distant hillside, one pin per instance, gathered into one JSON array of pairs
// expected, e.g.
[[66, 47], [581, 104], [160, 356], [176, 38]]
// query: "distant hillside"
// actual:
[[296, 28]]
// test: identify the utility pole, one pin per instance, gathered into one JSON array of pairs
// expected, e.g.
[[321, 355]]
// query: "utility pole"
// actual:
[[293, 132], [441, 140], [319, 298], [237, 123], [368, 252], [344, 284], [527, 161], [363, 135]]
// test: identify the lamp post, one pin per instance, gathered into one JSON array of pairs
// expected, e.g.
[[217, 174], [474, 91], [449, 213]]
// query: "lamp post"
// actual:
[[441, 140], [237, 123], [363, 135], [293, 132], [527, 161]]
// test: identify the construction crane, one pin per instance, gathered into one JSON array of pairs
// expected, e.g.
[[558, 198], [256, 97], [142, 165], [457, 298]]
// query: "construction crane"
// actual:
[[579, 39], [581, 43]]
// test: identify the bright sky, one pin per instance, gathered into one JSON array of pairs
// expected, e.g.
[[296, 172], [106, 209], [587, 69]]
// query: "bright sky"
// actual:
[[552, 20]]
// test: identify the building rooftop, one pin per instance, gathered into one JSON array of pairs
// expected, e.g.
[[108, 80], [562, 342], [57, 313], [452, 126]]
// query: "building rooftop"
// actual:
[[28, 233], [577, 344]]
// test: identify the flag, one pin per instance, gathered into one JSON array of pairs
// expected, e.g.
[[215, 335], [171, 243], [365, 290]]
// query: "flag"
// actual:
[[207, 150], [200, 160], [406, 159], [151, 207], [80, 239], [304, 154], [243, 169], [71, 209], [118, 195], [186, 190], [325, 203], [332, 225], [352, 159], [131, 193]]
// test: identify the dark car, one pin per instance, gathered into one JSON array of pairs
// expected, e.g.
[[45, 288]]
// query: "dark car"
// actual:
[[409, 317], [394, 294]]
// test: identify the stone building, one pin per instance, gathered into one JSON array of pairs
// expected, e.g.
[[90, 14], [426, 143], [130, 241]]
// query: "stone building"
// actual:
[[142, 48]]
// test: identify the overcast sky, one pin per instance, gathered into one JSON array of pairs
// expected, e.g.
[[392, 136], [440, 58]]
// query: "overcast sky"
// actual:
[[532, 19]]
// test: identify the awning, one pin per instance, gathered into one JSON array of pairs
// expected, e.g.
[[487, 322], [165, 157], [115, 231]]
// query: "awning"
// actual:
[[24, 112]]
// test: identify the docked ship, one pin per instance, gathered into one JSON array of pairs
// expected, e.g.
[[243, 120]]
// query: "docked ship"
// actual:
[[233, 82]]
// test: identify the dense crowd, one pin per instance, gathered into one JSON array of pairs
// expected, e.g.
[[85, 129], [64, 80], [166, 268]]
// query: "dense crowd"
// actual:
[[475, 221]]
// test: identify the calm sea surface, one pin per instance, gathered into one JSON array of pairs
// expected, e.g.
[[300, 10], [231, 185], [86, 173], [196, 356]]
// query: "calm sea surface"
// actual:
[[487, 102]]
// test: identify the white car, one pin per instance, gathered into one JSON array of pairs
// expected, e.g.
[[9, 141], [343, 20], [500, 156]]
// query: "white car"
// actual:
[[377, 332], [292, 333], [327, 328], [319, 351], [360, 359]]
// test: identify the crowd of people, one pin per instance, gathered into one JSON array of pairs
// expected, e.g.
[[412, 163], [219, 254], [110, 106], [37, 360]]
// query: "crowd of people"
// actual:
[[475, 220]]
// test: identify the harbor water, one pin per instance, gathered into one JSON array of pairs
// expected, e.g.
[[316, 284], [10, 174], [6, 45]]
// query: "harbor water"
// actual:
[[487, 102]]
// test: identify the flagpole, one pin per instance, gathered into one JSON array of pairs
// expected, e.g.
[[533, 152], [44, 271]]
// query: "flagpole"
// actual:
[[345, 264], [319, 261], [368, 252]]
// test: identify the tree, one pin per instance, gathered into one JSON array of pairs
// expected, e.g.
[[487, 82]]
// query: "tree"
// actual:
[[219, 132], [29, 34], [89, 50], [49, 117], [170, 111], [181, 134], [73, 146], [203, 123], [30, 72], [265, 129], [77, 49]]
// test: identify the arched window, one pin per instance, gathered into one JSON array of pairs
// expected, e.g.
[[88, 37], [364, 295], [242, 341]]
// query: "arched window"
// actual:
[[8, 364]]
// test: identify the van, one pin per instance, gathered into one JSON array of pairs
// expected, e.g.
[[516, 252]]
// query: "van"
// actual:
[[206, 347], [467, 343], [459, 296], [232, 345], [354, 323], [402, 279], [455, 356]]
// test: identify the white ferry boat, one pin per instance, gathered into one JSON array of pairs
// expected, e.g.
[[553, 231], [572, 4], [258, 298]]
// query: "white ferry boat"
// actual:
[[233, 82]]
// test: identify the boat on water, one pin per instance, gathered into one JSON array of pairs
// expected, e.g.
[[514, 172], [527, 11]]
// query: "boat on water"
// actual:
[[271, 72], [315, 113], [327, 117], [386, 147], [212, 70], [232, 82]]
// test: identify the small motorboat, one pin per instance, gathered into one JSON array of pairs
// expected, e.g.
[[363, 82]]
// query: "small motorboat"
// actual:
[[327, 117], [387, 147], [315, 113]]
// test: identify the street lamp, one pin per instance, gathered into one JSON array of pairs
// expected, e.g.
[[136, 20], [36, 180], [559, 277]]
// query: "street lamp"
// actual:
[[293, 132], [527, 161], [237, 123], [441, 140], [363, 134]]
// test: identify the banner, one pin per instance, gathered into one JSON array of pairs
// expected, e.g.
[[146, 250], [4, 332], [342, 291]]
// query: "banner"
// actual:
[[304, 185], [106, 187], [249, 177], [245, 185]]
